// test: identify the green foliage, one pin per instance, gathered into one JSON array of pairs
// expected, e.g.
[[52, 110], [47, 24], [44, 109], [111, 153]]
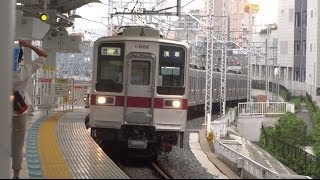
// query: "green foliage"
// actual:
[[316, 149], [292, 156], [297, 102], [291, 129], [315, 116], [316, 137]]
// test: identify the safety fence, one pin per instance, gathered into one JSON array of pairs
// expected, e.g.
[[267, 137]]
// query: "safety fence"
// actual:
[[57, 94], [246, 167], [243, 163], [293, 156], [262, 108]]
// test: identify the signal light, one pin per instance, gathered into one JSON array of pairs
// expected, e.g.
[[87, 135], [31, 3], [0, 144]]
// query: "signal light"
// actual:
[[44, 17]]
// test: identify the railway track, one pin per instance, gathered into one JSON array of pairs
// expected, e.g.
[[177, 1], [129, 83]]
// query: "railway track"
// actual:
[[161, 171], [146, 171]]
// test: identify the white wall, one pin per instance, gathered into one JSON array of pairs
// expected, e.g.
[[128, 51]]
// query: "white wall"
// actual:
[[312, 38], [286, 32]]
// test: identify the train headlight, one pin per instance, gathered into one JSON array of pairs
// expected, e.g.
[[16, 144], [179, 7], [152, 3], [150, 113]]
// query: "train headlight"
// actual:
[[176, 104], [105, 100], [101, 100], [172, 103]]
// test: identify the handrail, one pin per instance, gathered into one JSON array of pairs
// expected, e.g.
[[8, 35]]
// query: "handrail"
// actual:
[[252, 167], [262, 108]]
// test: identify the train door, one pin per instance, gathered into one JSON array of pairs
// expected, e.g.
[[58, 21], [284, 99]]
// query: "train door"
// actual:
[[139, 91]]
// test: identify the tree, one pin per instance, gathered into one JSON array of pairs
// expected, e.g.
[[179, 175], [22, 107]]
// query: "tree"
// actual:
[[291, 129]]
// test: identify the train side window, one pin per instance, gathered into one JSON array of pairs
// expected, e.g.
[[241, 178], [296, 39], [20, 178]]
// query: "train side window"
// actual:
[[140, 72], [204, 83]]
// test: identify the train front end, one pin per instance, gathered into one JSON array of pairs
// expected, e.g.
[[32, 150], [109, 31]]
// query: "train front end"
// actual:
[[138, 93]]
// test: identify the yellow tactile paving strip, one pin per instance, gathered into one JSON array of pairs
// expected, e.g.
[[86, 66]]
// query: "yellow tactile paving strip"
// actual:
[[52, 162]]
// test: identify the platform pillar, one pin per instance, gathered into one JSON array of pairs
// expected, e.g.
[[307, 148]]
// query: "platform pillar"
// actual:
[[7, 31]]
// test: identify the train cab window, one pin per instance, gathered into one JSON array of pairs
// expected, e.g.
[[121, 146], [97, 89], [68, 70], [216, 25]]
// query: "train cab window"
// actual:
[[110, 67], [171, 74], [140, 73]]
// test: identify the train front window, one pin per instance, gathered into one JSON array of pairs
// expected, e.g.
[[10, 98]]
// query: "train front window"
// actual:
[[140, 72], [110, 67], [171, 70]]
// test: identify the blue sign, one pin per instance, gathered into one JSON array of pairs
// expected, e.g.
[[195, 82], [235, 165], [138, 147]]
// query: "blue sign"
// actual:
[[15, 58]]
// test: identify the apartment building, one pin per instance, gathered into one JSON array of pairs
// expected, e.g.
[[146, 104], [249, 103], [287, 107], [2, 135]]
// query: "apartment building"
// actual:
[[298, 46]]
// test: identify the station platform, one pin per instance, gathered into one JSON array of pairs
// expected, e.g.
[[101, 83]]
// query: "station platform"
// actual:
[[58, 146]]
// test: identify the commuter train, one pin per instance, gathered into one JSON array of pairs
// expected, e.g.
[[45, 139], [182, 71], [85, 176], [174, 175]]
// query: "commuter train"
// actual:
[[142, 87]]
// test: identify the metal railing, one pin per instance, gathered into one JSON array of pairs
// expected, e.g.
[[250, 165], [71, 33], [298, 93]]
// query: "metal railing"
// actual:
[[262, 108], [250, 166]]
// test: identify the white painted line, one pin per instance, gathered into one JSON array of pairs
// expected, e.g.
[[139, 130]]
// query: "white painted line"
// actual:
[[202, 157]]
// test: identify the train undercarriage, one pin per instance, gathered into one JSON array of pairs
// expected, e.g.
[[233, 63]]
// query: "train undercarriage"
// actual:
[[141, 142]]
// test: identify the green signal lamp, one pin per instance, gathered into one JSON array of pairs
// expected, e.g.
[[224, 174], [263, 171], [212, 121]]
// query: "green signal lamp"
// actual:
[[44, 17]]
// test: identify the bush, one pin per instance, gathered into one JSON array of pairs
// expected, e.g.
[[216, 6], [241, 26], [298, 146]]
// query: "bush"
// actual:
[[291, 129], [297, 102]]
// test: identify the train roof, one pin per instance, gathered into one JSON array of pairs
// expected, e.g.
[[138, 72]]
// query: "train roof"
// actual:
[[140, 33]]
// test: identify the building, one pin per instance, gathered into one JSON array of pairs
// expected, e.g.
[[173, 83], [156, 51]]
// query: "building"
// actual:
[[237, 17], [298, 41]]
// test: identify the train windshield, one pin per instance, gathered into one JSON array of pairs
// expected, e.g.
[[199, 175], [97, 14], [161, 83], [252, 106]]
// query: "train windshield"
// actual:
[[140, 72], [171, 70], [110, 67]]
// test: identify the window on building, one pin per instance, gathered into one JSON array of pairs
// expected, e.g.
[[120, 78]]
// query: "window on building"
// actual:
[[296, 47], [310, 47], [297, 74], [297, 19], [304, 47], [291, 13], [311, 14], [304, 18], [283, 47]]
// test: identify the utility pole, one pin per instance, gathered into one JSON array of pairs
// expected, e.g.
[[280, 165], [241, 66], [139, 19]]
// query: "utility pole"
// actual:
[[110, 23], [267, 62], [275, 74], [209, 65], [223, 64], [251, 9]]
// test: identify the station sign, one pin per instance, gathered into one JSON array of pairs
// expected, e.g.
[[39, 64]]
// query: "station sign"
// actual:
[[61, 87]]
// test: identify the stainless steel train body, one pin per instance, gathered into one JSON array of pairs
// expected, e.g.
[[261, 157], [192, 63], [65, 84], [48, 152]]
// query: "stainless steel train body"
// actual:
[[236, 87], [142, 87], [139, 93]]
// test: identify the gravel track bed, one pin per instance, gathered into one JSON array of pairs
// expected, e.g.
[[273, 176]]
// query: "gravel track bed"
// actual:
[[181, 162], [140, 172]]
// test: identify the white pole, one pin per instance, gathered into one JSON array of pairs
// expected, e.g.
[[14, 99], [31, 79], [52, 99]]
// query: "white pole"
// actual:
[[7, 21]]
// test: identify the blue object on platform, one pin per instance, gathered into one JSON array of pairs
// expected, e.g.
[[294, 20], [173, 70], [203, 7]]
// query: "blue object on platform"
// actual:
[[15, 58]]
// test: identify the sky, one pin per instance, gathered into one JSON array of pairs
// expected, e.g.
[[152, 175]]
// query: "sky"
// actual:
[[268, 13], [94, 15]]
